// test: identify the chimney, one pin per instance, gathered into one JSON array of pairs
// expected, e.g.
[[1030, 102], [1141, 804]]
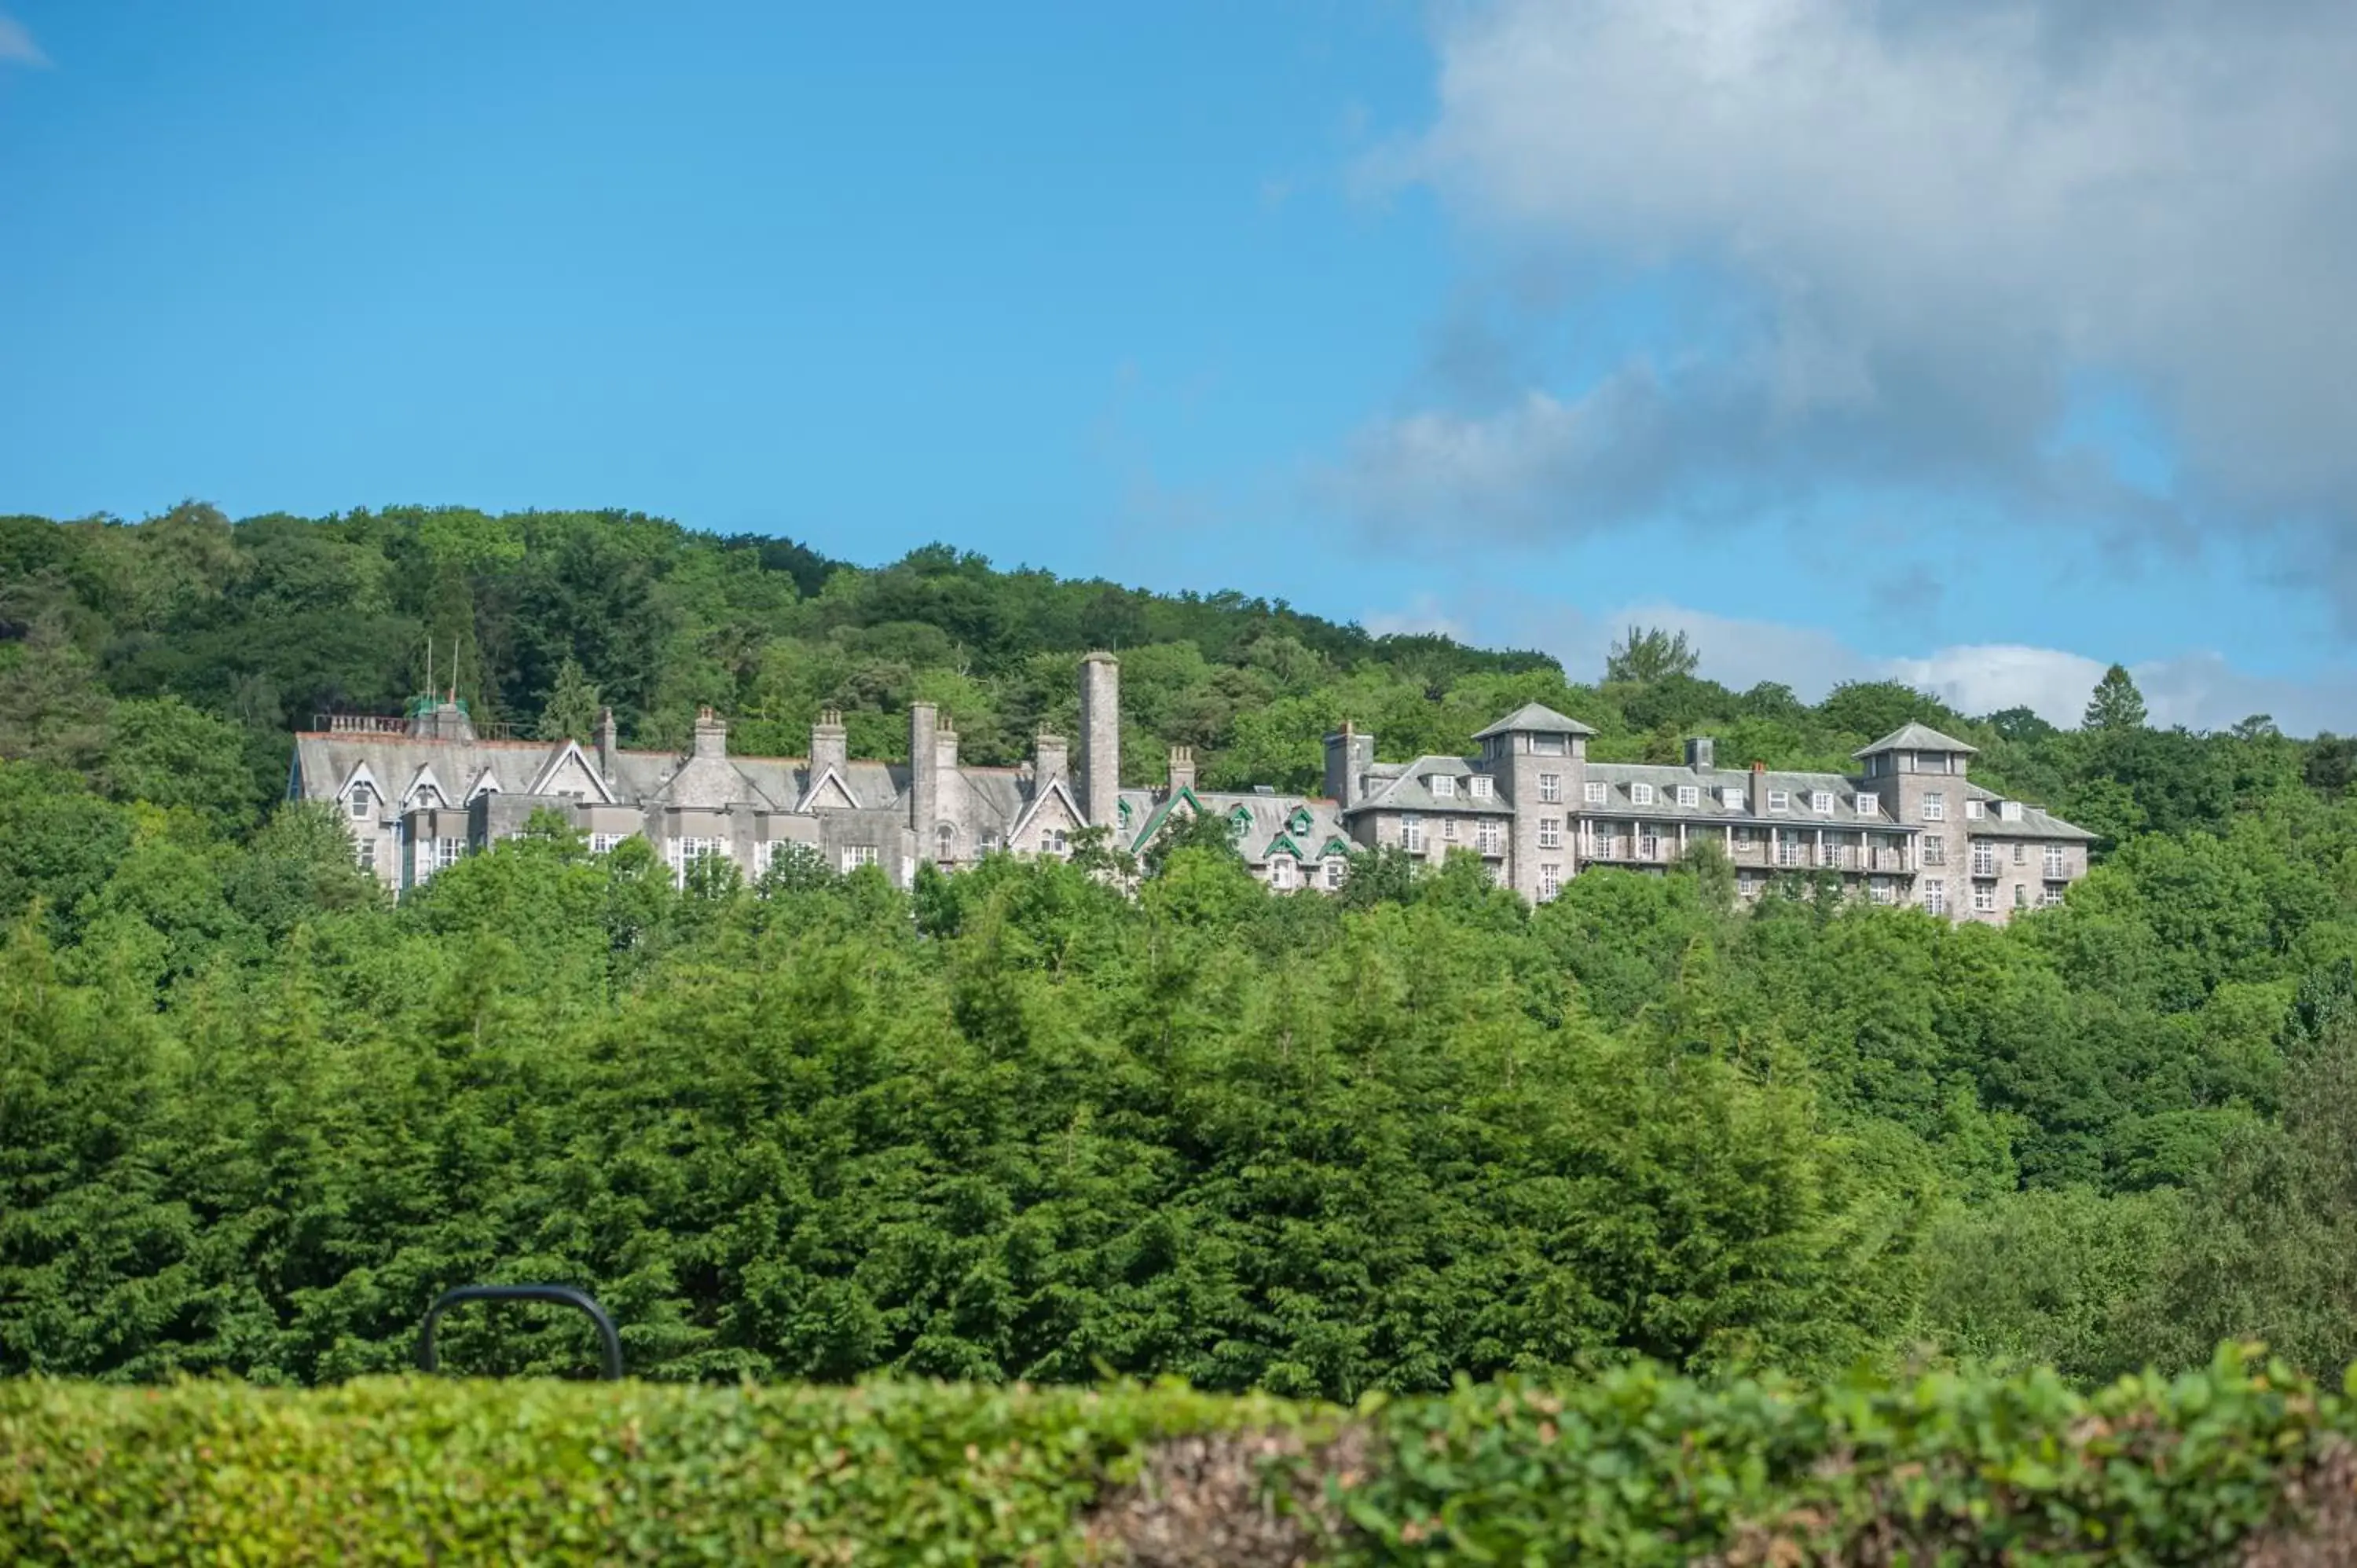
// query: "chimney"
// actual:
[[1049, 760], [945, 749], [828, 748], [606, 747], [711, 735], [1758, 788], [924, 773], [1099, 737], [1699, 752], [1182, 769], [1349, 754]]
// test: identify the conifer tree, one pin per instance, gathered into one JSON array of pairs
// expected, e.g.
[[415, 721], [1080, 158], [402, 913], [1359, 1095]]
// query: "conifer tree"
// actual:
[[2117, 704]]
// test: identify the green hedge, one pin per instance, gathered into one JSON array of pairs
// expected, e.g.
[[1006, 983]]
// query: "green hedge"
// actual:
[[1633, 1465]]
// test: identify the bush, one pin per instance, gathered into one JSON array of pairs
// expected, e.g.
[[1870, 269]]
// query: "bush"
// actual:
[[411, 1470], [1635, 1466]]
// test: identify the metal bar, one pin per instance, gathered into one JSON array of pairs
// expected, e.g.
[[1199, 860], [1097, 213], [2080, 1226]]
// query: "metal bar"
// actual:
[[561, 1295]]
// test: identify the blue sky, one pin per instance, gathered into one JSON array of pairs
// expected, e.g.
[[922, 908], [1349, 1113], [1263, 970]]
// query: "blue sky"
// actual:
[[1494, 318]]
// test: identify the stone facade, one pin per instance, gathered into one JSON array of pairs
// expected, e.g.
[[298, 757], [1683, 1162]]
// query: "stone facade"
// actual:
[[1907, 827]]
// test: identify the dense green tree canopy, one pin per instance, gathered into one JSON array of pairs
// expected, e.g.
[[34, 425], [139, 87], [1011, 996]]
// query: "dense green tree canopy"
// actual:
[[1018, 1123]]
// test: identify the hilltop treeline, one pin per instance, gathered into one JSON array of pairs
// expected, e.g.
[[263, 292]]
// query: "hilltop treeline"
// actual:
[[170, 660], [1015, 1124]]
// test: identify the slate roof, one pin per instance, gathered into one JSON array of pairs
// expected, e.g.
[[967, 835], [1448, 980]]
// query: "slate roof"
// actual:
[[1912, 736], [1711, 782], [1406, 787], [1270, 817], [1534, 716]]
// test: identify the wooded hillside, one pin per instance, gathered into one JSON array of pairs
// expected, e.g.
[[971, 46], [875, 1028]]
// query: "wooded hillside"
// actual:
[[1014, 1124]]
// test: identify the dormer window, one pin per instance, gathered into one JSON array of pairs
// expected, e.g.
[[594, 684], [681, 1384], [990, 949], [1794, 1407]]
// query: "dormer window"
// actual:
[[1822, 802], [1688, 795], [1240, 819], [1868, 805], [1478, 786], [1731, 798], [1780, 799], [1299, 822], [1974, 810], [360, 800], [2008, 811], [1444, 786], [1640, 794]]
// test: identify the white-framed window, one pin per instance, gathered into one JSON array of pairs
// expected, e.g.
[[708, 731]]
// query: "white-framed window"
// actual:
[[1480, 787], [2020, 854], [447, 852], [1935, 807], [1743, 835], [1280, 872], [2021, 896], [1869, 804], [945, 836], [856, 855], [1487, 835], [1780, 799], [1935, 849], [2008, 811], [1788, 849], [1880, 889], [1984, 860], [603, 844], [1649, 845], [1056, 841], [1595, 792], [1550, 880], [1935, 897], [1731, 798], [1412, 832], [1444, 786], [989, 840], [1974, 810], [367, 853], [1747, 884], [1640, 794], [1985, 898], [2051, 895], [1550, 788], [1448, 830], [1335, 865], [2055, 870], [1550, 833], [359, 800], [1821, 802], [1689, 796], [1607, 846]]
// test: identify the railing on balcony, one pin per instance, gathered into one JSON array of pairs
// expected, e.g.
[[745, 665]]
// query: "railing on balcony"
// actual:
[[361, 723]]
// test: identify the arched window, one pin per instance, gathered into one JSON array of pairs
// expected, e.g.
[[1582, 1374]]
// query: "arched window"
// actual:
[[945, 841]]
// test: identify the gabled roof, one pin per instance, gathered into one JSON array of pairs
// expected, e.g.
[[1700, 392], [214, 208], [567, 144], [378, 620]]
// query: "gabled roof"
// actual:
[[1912, 736], [424, 781], [1055, 791], [1283, 844], [1534, 716], [570, 751]]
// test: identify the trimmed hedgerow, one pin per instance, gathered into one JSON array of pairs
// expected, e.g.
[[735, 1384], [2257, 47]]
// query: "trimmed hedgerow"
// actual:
[[2238, 1461], [422, 1470]]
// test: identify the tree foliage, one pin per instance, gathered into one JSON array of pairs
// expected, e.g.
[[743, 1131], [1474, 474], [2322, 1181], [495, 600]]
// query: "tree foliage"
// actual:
[[1035, 1120]]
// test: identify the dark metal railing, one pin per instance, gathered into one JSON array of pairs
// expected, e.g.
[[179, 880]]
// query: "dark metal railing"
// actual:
[[561, 1295]]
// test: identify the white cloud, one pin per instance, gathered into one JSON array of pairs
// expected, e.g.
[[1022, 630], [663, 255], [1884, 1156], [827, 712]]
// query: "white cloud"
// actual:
[[1422, 616], [1941, 218], [16, 45], [2199, 690]]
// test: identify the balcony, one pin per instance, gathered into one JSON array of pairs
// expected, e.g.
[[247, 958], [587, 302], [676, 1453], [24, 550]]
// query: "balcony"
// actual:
[[1619, 851]]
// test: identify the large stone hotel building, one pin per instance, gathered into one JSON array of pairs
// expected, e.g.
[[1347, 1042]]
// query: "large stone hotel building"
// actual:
[[1907, 827]]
